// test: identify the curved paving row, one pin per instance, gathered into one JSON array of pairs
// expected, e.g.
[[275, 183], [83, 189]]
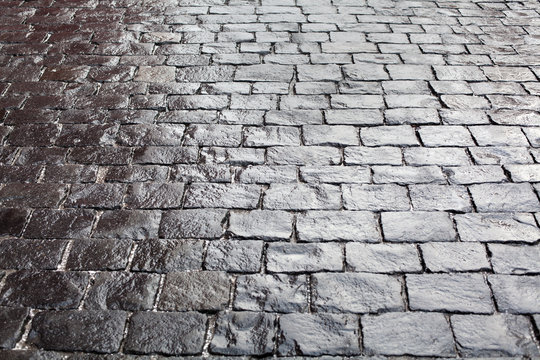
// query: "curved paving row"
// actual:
[[209, 178]]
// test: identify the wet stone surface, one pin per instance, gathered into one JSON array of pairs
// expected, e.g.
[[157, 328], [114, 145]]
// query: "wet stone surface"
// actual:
[[215, 179]]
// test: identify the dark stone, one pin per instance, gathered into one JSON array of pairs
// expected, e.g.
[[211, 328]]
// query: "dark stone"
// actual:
[[31, 254], [99, 254], [106, 196], [87, 135], [204, 224], [200, 290], [122, 291], [69, 174], [31, 195], [328, 334], [166, 255], [166, 333], [128, 224], [12, 221], [155, 196], [44, 289], [86, 330], [11, 326], [67, 223], [234, 255], [243, 333]]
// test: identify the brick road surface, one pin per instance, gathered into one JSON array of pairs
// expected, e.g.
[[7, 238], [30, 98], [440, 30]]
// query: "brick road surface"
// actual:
[[291, 178]]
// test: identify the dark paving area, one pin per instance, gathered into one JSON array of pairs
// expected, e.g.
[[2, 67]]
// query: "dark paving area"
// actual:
[[258, 178]]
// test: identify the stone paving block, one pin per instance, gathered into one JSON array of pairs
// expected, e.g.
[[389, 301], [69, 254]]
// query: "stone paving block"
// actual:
[[99, 254], [297, 258], [261, 224], [44, 289], [302, 197], [412, 333], [382, 258], [454, 257], [505, 288], [192, 223], [88, 330], [166, 333], [404, 175], [360, 293], [510, 259], [375, 197], [504, 198], [440, 198], [314, 226], [12, 322], [243, 333], [449, 292], [202, 290], [234, 256], [237, 196], [271, 293], [417, 226], [128, 224], [329, 333], [21, 254], [335, 174], [493, 335]]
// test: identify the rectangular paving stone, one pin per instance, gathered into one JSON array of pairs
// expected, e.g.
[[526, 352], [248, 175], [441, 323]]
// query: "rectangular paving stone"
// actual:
[[302, 197], [11, 325], [237, 196], [18, 254], [452, 292], [412, 333], [271, 293], [382, 258], [360, 293], [451, 257], [88, 330], [504, 198], [166, 333], [375, 197], [506, 289], [334, 333], [192, 223], [315, 226], [128, 224], [493, 335], [511, 259], [440, 197], [497, 227], [297, 258], [417, 226]]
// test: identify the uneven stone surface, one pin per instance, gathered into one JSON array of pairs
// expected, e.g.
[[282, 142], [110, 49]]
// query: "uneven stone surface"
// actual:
[[269, 178]]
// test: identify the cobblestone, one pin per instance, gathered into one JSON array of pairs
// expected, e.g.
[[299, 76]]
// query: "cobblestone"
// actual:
[[269, 178]]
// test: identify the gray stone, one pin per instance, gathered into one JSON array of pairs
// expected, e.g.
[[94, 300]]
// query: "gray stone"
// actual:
[[337, 226], [302, 197], [334, 135], [261, 224], [234, 256], [328, 333], [413, 333], [504, 198], [272, 293], [266, 72], [449, 292], [511, 259], [192, 223], [454, 257], [166, 255], [200, 290], [358, 293], [208, 195], [497, 227], [417, 226], [166, 333], [516, 294], [493, 335], [440, 198], [72, 330], [382, 258], [375, 197], [335, 174], [408, 175], [243, 333], [128, 224], [295, 258]]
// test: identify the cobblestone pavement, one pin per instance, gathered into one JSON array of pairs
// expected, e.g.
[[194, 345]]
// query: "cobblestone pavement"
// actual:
[[266, 178]]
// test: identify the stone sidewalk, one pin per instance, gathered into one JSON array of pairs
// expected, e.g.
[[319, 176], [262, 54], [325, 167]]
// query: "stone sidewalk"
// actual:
[[259, 178]]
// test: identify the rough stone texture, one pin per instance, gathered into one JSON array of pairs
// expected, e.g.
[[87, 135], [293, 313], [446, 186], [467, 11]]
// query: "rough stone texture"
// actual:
[[262, 178], [493, 335], [166, 333], [11, 326], [328, 333], [205, 290], [87, 330], [243, 333], [418, 333], [359, 293], [449, 292]]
